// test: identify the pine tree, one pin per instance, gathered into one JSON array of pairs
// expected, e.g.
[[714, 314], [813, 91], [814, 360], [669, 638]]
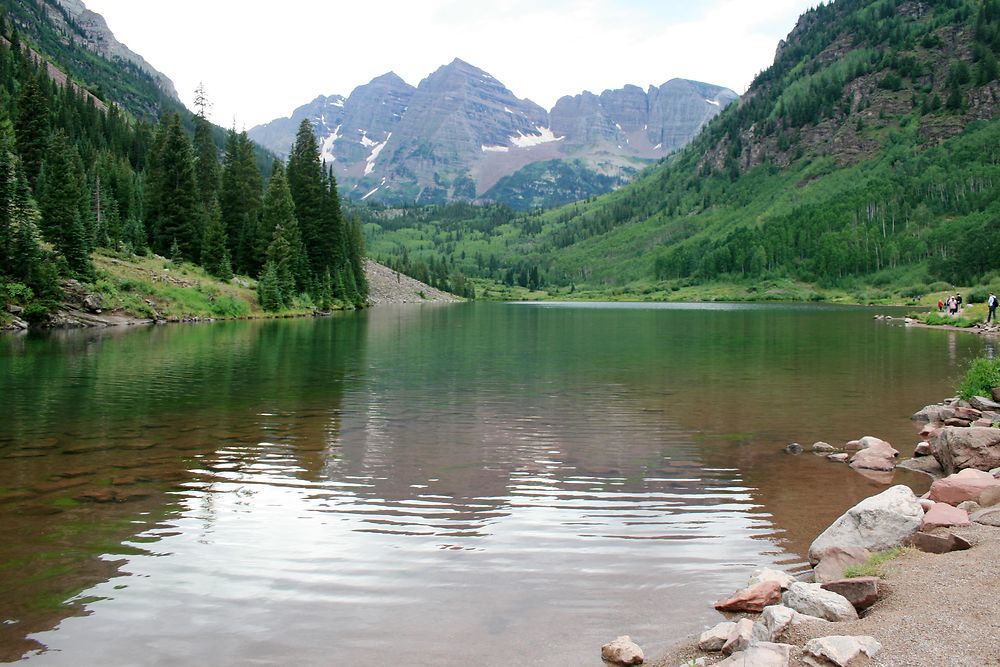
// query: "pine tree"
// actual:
[[62, 200], [240, 199], [280, 258], [356, 256], [207, 171], [306, 184], [268, 292], [214, 254], [32, 127], [176, 218], [279, 211]]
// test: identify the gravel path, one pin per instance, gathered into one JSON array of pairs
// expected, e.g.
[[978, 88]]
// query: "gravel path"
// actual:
[[935, 610]]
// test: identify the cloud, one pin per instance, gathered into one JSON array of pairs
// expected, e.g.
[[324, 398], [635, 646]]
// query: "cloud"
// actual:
[[260, 60]]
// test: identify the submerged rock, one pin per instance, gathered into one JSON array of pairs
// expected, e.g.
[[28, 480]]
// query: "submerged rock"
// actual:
[[823, 447], [794, 448], [877, 523]]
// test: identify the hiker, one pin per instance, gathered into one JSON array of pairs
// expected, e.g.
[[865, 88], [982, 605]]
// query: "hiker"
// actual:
[[958, 302], [940, 306], [992, 304], [952, 306]]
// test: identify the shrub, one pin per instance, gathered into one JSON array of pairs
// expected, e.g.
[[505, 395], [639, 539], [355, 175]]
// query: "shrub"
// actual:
[[983, 375], [16, 293]]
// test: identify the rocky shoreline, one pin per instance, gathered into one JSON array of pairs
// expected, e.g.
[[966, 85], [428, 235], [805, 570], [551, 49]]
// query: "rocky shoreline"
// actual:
[[896, 580]]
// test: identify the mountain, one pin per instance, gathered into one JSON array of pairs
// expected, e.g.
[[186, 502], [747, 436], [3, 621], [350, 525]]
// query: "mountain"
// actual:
[[460, 134], [71, 35], [864, 159]]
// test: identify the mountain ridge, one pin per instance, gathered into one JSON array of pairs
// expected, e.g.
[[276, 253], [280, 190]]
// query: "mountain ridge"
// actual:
[[459, 131]]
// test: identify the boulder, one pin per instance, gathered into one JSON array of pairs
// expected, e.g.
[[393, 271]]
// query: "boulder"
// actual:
[[969, 506], [92, 302], [958, 423], [794, 448], [922, 449], [984, 404], [942, 515], [715, 638], [14, 309], [777, 618], [740, 636], [767, 574], [761, 654], [925, 464], [841, 650], [834, 560], [938, 544], [823, 447], [930, 431], [840, 457], [989, 497], [973, 447], [967, 413], [875, 455], [622, 651], [813, 600], [983, 422], [752, 599], [934, 413], [877, 523], [987, 517], [965, 485], [852, 445], [862, 592]]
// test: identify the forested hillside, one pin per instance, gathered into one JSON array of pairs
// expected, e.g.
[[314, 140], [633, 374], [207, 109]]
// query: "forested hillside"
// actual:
[[78, 174], [868, 153]]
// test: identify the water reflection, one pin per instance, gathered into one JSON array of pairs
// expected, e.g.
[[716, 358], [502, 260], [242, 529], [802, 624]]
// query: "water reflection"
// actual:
[[386, 484]]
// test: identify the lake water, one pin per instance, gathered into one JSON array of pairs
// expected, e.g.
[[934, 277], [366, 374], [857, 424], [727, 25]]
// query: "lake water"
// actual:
[[489, 484]]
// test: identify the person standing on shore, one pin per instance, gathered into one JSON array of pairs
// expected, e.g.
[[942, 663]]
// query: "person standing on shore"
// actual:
[[991, 303], [940, 306]]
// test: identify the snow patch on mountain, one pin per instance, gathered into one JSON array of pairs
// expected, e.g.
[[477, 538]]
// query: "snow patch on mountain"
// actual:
[[326, 150], [544, 136], [370, 161], [713, 102], [494, 149]]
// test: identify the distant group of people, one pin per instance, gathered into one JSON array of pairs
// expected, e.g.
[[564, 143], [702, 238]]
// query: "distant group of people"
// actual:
[[954, 306]]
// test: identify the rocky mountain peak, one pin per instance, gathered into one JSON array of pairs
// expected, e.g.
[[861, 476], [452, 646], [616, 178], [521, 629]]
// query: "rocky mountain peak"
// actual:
[[94, 33]]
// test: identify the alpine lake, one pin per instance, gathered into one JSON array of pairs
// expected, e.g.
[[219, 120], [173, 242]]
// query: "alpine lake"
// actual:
[[488, 484]]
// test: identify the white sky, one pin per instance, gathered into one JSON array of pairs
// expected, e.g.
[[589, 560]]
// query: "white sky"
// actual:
[[259, 60]]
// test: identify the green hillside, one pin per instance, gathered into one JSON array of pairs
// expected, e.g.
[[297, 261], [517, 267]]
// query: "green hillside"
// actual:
[[866, 155]]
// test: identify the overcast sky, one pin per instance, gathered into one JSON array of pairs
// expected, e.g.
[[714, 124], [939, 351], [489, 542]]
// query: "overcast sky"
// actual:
[[260, 60]]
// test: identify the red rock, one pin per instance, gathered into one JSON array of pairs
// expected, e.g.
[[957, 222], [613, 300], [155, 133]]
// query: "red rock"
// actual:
[[983, 422], [834, 560], [752, 599], [930, 430], [938, 544], [968, 414], [960, 448], [960, 423], [878, 455], [964, 485], [943, 514], [862, 592]]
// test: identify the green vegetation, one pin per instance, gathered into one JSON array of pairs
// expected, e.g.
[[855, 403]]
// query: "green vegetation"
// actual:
[[873, 567], [868, 175], [76, 177], [983, 375]]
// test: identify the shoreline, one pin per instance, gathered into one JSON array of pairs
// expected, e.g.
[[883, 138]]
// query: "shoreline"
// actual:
[[933, 597]]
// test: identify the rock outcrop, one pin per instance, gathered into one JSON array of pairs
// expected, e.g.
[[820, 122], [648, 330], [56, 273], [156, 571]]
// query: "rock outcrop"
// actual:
[[957, 448]]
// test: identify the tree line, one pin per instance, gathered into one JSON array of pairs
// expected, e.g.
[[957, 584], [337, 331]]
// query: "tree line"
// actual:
[[76, 176]]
